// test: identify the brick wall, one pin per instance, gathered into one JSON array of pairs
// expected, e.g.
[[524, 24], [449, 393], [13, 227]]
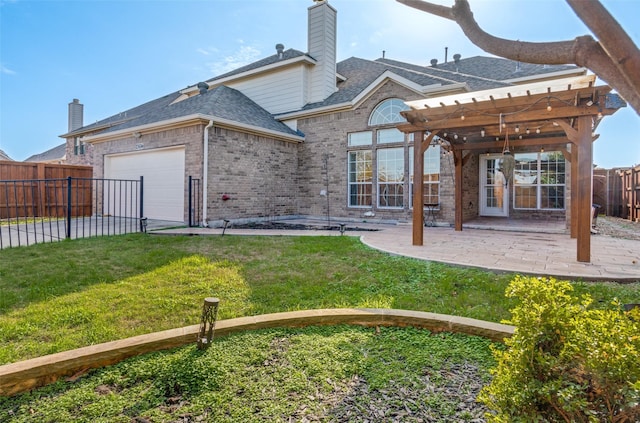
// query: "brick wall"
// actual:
[[326, 136], [257, 174]]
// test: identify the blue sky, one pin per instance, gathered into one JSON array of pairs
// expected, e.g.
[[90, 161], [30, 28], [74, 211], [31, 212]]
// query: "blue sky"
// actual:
[[113, 55]]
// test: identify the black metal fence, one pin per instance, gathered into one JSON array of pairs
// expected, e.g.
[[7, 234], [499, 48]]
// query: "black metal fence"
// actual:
[[195, 202], [47, 210]]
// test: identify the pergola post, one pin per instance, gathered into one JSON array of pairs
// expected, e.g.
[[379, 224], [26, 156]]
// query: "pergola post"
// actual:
[[418, 188], [457, 160], [584, 182], [574, 192]]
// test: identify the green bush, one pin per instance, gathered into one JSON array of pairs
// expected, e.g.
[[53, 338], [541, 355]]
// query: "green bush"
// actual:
[[567, 361]]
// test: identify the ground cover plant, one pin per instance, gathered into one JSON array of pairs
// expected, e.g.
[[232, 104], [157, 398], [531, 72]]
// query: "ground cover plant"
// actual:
[[339, 373]]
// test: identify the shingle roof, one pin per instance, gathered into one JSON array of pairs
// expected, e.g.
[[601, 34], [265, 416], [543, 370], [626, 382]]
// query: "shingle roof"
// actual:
[[474, 81], [222, 102], [478, 72], [361, 73], [5, 156], [56, 153], [498, 68]]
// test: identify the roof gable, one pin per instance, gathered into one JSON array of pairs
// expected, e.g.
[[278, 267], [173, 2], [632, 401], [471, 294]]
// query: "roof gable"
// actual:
[[5, 156], [53, 154]]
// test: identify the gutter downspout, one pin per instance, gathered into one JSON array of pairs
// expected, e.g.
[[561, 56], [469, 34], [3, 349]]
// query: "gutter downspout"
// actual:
[[205, 172]]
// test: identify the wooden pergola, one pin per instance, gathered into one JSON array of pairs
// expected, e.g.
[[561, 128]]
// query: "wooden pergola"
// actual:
[[558, 114]]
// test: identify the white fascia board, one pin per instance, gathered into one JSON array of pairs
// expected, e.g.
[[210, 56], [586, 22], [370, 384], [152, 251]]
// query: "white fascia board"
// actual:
[[539, 87], [551, 75], [189, 120], [253, 72]]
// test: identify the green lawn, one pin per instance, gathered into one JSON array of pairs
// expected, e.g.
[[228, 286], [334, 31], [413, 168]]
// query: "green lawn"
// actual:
[[70, 294], [75, 293]]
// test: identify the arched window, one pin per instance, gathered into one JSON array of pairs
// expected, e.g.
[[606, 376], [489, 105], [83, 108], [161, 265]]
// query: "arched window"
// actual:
[[388, 112]]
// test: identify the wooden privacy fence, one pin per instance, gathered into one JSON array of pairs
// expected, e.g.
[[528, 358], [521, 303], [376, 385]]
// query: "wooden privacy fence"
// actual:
[[631, 193], [41, 190]]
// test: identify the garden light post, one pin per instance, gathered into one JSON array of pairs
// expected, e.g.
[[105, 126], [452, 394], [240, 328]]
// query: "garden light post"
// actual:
[[208, 322]]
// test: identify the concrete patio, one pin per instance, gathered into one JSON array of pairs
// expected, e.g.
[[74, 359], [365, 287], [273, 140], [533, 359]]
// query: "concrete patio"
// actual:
[[535, 249]]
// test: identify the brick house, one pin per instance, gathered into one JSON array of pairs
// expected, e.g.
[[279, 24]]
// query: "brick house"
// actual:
[[298, 134]]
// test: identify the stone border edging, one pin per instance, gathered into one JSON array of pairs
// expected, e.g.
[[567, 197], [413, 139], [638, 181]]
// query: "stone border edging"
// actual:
[[29, 374]]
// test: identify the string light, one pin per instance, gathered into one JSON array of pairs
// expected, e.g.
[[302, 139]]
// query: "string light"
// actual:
[[517, 128], [482, 132], [462, 117], [527, 131], [537, 130], [549, 108]]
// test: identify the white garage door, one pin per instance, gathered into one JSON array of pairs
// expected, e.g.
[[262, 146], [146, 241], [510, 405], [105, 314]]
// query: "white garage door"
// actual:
[[163, 172]]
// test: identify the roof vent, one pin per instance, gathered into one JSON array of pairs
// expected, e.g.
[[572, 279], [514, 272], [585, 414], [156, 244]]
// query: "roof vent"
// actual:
[[456, 58], [280, 50], [434, 62], [203, 87]]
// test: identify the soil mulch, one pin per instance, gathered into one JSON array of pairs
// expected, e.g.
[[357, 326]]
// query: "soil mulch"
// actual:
[[617, 228], [300, 226]]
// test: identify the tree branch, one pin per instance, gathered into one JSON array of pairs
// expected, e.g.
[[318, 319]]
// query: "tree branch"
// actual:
[[613, 39], [583, 51]]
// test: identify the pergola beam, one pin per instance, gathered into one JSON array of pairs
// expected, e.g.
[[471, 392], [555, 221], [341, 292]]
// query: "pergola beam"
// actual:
[[489, 145], [520, 118]]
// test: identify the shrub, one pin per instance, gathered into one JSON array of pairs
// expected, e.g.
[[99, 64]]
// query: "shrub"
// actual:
[[566, 360]]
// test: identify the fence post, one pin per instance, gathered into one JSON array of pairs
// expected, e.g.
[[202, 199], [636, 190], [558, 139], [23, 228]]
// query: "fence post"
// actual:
[[190, 201], [69, 194], [141, 202]]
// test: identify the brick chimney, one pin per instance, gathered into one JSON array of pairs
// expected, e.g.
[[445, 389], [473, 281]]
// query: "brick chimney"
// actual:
[[76, 112], [321, 43]]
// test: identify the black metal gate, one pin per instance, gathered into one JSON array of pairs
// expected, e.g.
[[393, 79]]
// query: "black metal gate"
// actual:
[[195, 202], [47, 210]]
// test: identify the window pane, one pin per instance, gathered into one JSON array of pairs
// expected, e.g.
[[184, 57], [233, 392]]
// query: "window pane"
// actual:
[[361, 138], [525, 197], [360, 195], [390, 135], [552, 168], [552, 197], [391, 177], [430, 177], [540, 180], [388, 112], [360, 178], [526, 169]]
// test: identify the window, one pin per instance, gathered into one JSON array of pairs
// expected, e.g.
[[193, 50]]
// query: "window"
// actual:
[[388, 112], [360, 178], [390, 172], [539, 181], [386, 136], [380, 156], [360, 138], [431, 175], [78, 146]]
